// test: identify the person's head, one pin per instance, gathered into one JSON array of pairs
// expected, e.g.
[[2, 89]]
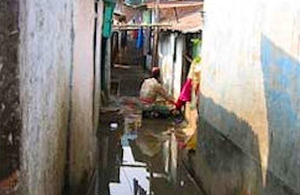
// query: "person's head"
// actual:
[[155, 73]]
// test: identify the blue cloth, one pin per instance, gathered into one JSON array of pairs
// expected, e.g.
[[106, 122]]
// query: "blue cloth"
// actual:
[[140, 39], [107, 19]]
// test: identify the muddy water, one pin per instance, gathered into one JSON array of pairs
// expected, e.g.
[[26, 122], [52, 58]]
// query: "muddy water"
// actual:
[[141, 157]]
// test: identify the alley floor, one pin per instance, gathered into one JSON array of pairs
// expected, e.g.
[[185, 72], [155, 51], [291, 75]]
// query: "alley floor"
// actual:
[[138, 156]]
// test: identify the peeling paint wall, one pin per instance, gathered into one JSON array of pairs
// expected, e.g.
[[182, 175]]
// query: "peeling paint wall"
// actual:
[[250, 102], [10, 120]]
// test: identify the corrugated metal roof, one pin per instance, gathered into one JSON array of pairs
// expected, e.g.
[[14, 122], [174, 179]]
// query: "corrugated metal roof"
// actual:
[[189, 23], [187, 19]]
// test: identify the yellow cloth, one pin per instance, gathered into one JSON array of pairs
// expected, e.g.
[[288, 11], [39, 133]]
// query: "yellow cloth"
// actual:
[[195, 72], [191, 112], [190, 130]]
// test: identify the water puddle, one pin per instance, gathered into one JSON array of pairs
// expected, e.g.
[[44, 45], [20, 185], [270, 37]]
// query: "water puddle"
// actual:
[[141, 157]]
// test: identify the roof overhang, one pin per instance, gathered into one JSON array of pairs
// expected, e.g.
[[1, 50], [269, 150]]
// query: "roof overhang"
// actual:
[[173, 4]]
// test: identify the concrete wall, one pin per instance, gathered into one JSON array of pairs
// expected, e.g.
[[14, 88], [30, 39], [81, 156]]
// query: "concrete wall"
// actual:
[[178, 64], [82, 130], [10, 120], [170, 49], [249, 106], [45, 66], [57, 73]]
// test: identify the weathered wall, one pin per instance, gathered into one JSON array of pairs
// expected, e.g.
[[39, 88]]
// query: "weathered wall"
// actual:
[[166, 59], [82, 131], [59, 95], [171, 47], [10, 120], [45, 66], [249, 107]]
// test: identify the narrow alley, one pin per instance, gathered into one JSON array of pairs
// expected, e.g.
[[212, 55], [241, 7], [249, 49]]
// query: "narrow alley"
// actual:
[[138, 156], [149, 97]]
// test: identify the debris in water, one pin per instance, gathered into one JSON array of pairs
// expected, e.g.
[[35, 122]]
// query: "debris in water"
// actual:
[[181, 183], [113, 126]]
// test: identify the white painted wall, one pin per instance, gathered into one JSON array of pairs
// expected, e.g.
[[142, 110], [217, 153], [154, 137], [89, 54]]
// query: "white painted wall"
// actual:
[[250, 82], [178, 65], [45, 66], [166, 52], [57, 94], [170, 61]]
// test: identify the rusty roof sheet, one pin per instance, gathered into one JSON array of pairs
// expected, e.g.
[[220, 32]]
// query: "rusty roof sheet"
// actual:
[[189, 23], [184, 17], [187, 19]]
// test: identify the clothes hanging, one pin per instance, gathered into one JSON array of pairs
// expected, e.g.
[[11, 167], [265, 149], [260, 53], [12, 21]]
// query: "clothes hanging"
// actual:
[[107, 19], [140, 39]]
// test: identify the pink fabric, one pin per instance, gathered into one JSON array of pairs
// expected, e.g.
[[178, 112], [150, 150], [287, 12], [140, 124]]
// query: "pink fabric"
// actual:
[[185, 94]]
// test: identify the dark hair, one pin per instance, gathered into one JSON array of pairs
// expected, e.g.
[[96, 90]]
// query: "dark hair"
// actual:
[[155, 73]]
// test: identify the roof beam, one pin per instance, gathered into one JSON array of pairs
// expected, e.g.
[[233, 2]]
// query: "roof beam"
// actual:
[[137, 26], [174, 4]]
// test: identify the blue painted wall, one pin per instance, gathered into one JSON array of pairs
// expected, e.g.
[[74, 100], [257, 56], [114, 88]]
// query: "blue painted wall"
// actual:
[[250, 98], [282, 91]]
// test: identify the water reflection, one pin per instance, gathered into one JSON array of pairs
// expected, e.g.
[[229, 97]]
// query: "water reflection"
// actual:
[[141, 157]]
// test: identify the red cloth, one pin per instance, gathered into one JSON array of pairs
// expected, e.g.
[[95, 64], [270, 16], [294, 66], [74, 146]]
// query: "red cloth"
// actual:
[[185, 95], [135, 34]]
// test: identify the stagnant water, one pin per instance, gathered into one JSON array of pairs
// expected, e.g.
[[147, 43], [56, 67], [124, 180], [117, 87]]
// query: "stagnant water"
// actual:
[[141, 157]]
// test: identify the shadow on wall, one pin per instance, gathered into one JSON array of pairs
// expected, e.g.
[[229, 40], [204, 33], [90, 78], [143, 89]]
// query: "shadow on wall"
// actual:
[[282, 90], [226, 168], [222, 166]]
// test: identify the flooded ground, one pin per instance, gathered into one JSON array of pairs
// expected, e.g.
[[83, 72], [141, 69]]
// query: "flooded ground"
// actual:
[[141, 156], [138, 156]]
